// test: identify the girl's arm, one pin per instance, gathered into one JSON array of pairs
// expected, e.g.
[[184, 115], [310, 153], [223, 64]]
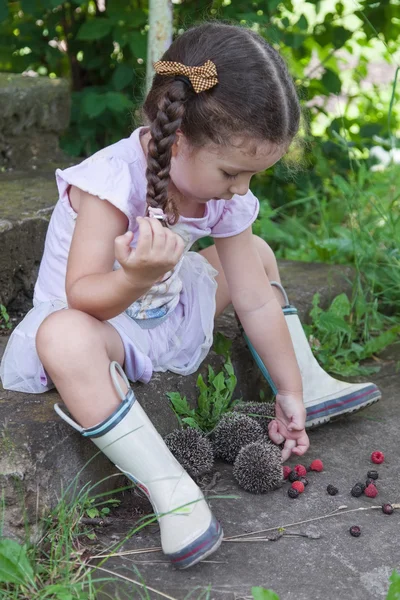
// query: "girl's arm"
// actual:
[[259, 310], [100, 237]]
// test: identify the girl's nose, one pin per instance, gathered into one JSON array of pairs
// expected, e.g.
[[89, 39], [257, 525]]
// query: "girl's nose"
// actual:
[[240, 188]]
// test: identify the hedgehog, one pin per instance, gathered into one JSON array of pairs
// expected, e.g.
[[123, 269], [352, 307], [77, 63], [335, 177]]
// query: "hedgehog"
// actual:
[[231, 433], [262, 412], [192, 449], [258, 467]]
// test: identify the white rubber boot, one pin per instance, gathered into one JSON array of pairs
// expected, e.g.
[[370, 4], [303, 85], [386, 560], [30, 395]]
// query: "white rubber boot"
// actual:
[[190, 532], [324, 397]]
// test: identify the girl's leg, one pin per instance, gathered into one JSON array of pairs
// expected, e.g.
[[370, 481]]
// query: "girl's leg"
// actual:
[[270, 265], [81, 355], [76, 350]]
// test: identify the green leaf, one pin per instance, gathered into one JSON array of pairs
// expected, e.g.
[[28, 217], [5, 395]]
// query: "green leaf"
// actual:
[[122, 76], [192, 423], [180, 404], [94, 104], [331, 81], [222, 345], [14, 563], [340, 306], [377, 344], [394, 589], [332, 323], [260, 593], [219, 382], [118, 102], [92, 513], [94, 29]]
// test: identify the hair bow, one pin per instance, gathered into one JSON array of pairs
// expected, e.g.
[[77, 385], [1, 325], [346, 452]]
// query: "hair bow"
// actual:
[[202, 78]]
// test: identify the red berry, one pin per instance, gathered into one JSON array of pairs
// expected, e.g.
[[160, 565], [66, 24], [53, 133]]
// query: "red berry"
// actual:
[[371, 491], [317, 465], [377, 457], [297, 485], [300, 470], [286, 472]]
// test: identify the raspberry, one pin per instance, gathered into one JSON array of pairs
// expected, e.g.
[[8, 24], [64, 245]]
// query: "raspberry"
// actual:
[[293, 476], [355, 531], [300, 470], [304, 481], [377, 457], [369, 481], [332, 490], [297, 485], [292, 493], [286, 472], [371, 491], [373, 475], [387, 509], [317, 465], [356, 491]]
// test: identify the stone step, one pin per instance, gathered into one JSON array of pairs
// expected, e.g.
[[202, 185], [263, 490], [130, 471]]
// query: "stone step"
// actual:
[[34, 112], [40, 455]]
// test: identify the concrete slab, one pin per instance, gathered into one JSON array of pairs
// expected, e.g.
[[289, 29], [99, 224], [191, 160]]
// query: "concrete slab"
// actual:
[[333, 566]]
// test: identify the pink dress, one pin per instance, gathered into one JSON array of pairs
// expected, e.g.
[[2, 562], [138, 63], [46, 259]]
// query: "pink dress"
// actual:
[[180, 341]]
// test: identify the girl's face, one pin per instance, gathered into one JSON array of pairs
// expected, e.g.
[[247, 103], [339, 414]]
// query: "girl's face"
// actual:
[[215, 172]]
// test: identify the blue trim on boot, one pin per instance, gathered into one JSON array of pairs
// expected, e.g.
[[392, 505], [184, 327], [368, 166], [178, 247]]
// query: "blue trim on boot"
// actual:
[[200, 548], [113, 420], [260, 364]]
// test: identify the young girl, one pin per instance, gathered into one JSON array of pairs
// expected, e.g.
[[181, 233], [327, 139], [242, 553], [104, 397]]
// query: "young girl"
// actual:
[[118, 286]]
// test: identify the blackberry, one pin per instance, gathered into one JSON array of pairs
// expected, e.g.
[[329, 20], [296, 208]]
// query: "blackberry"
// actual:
[[293, 477], [362, 485], [356, 491], [292, 493], [332, 490], [387, 509], [372, 474], [304, 481], [355, 531]]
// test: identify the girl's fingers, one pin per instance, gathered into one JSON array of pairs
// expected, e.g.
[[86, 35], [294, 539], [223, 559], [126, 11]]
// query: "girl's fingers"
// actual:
[[145, 239], [287, 449], [122, 248], [159, 235], [274, 434]]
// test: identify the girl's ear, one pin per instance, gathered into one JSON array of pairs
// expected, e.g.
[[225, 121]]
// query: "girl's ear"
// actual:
[[177, 145]]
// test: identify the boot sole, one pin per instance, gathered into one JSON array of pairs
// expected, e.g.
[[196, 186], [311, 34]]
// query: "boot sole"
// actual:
[[198, 550], [322, 413]]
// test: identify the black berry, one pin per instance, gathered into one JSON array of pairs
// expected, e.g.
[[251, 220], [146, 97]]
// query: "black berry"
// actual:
[[292, 493], [362, 485], [293, 476], [304, 481], [355, 531], [372, 475], [356, 491], [387, 509], [332, 490]]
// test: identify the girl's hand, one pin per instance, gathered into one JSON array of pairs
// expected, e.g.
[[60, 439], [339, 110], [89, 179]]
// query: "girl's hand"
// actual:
[[289, 423], [158, 251]]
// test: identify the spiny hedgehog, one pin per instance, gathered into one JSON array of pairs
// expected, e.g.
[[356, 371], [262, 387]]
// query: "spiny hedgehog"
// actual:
[[258, 467], [192, 449], [259, 411], [232, 432]]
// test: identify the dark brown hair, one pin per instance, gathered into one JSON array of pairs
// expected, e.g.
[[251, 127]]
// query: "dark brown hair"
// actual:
[[255, 98]]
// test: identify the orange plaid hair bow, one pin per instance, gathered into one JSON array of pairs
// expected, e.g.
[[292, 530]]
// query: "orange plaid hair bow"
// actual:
[[202, 78]]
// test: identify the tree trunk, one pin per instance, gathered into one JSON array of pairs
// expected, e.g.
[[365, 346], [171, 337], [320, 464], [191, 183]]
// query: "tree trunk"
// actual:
[[160, 34]]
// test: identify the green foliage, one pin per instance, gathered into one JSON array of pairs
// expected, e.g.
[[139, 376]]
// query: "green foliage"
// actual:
[[4, 318], [215, 395], [394, 589], [260, 593], [94, 509], [213, 401], [337, 334]]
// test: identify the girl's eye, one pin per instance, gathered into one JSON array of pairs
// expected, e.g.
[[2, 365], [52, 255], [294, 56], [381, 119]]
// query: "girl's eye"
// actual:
[[228, 176]]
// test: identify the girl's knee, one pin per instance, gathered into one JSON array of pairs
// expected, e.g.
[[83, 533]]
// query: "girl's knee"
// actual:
[[64, 331]]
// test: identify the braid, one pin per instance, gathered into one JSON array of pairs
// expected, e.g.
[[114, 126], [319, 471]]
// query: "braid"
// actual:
[[163, 128]]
